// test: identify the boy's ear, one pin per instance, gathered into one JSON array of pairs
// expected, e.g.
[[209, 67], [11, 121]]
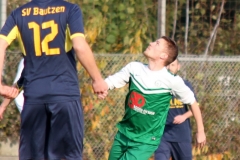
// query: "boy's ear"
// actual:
[[179, 66], [163, 55]]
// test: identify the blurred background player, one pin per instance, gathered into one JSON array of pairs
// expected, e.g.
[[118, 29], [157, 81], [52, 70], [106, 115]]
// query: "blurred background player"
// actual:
[[176, 141]]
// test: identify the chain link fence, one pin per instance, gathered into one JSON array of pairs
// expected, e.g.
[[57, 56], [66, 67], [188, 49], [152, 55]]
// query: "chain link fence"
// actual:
[[216, 81]]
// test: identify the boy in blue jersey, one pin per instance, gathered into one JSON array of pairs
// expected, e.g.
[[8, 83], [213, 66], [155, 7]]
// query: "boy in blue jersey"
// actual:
[[176, 141], [147, 103], [51, 33]]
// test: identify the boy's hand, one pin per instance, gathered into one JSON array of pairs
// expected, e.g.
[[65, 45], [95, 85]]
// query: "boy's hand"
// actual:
[[179, 119], [201, 139], [2, 109], [100, 87], [8, 92], [102, 95]]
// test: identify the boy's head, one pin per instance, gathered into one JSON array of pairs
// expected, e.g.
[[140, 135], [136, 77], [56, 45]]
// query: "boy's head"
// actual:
[[163, 48], [174, 67], [172, 50]]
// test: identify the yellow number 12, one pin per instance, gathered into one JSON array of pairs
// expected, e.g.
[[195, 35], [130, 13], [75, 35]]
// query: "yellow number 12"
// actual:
[[43, 46]]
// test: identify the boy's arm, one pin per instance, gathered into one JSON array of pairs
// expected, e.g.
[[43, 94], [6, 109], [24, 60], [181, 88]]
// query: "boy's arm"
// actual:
[[119, 79], [185, 95], [181, 118], [188, 114], [3, 106], [86, 58], [6, 91], [201, 137], [7, 101]]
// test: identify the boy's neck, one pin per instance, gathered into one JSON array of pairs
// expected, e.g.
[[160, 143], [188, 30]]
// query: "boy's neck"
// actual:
[[155, 66]]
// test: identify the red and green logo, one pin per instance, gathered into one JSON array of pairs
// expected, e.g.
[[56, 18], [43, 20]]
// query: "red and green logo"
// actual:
[[136, 99]]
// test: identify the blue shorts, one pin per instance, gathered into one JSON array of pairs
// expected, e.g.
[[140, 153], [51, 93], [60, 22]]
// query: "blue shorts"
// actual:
[[52, 131], [176, 150]]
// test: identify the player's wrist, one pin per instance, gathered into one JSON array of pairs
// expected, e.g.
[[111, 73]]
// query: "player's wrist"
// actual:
[[200, 130], [185, 116], [97, 79], [3, 107]]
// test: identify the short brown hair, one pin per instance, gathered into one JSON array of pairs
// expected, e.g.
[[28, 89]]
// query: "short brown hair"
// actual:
[[172, 50]]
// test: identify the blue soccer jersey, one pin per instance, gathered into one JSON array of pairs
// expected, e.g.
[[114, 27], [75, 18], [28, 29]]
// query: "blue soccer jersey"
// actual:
[[50, 73], [177, 132]]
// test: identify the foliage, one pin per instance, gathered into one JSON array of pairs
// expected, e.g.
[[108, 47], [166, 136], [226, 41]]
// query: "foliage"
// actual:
[[116, 26], [203, 15], [201, 154]]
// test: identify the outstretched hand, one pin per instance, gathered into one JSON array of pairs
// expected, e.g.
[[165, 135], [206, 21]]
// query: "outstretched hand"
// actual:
[[102, 95], [8, 92], [100, 88]]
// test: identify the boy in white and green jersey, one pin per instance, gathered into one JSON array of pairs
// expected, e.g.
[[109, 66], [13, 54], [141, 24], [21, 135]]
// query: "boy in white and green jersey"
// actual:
[[151, 87]]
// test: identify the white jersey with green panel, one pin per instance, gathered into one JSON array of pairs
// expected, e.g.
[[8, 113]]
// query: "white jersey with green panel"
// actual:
[[148, 100]]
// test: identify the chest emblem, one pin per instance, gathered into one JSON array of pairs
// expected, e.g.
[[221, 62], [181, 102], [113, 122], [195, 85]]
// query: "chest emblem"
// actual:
[[158, 83], [136, 99]]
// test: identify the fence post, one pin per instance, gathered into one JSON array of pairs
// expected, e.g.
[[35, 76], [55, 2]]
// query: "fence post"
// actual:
[[161, 18], [3, 12]]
